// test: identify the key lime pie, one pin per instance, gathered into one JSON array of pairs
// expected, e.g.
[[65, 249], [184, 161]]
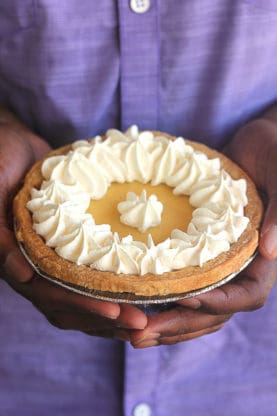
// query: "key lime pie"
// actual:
[[137, 213]]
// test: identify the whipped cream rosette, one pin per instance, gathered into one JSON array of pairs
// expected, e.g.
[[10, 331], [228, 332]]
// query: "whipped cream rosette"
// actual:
[[141, 212], [68, 182]]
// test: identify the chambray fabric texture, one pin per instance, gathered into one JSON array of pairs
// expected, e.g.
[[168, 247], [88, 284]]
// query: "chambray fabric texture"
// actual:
[[72, 69]]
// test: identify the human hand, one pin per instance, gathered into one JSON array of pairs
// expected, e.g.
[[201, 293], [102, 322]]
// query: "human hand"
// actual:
[[19, 149], [67, 310], [255, 148]]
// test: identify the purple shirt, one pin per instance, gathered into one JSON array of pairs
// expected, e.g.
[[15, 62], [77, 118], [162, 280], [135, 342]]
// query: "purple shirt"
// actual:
[[201, 69]]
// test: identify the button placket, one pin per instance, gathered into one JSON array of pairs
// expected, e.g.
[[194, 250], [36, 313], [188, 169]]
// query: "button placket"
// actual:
[[142, 369], [139, 53]]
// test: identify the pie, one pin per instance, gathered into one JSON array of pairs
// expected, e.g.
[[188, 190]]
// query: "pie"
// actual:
[[139, 214]]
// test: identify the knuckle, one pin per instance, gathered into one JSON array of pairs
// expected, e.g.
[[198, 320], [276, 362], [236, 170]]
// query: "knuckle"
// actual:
[[258, 302], [181, 331], [258, 295], [182, 326], [225, 300]]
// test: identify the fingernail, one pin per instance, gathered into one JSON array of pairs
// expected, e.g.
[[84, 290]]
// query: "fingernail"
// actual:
[[149, 341], [152, 335], [108, 315], [195, 304], [146, 344], [191, 303], [270, 241]]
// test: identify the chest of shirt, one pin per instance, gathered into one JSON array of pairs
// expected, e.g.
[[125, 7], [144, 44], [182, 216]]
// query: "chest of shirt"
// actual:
[[187, 67]]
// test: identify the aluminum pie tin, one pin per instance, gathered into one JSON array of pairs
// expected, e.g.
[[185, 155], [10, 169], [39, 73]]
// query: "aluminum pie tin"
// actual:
[[125, 297]]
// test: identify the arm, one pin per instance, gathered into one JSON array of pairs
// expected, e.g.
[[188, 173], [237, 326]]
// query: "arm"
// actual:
[[19, 149], [254, 148]]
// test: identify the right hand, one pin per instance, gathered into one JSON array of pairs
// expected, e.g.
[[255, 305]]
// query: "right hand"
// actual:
[[19, 149]]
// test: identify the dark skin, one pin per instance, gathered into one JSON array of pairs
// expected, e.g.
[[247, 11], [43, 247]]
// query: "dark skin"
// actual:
[[254, 147], [19, 149]]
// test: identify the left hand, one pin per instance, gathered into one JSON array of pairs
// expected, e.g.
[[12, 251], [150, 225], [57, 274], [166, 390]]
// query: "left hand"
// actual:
[[255, 148], [19, 149]]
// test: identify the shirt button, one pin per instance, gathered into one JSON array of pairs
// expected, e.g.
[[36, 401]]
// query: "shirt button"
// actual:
[[139, 6], [142, 409]]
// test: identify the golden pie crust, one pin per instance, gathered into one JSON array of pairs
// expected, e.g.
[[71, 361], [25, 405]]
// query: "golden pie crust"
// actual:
[[177, 282]]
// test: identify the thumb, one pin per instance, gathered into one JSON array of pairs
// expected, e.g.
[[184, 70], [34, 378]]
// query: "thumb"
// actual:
[[15, 158], [12, 261], [16, 267], [268, 241], [254, 148], [19, 148]]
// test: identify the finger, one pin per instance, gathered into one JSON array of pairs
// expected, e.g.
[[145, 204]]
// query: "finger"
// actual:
[[50, 296], [254, 148], [176, 322], [178, 338], [248, 292], [188, 337], [126, 316], [15, 161], [17, 267], [91, 325], [268, 243], [120, 334], [131, 317], [78, 321], [192, 303], [13, 262], [11, 259]]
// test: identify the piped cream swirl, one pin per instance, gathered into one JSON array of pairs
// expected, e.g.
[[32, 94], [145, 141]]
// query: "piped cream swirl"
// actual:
[[73, 181], [140, 212]]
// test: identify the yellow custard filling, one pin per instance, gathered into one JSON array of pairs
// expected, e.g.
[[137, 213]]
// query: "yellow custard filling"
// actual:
[[177, 211]]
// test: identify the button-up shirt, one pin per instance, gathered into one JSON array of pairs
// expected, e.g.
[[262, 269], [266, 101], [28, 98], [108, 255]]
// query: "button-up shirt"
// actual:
[[72, 69]]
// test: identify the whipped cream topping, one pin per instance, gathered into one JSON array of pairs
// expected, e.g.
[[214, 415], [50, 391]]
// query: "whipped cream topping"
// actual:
[[73, 181], [196, 250], [219, 220], [140, 212], [217, 189]]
